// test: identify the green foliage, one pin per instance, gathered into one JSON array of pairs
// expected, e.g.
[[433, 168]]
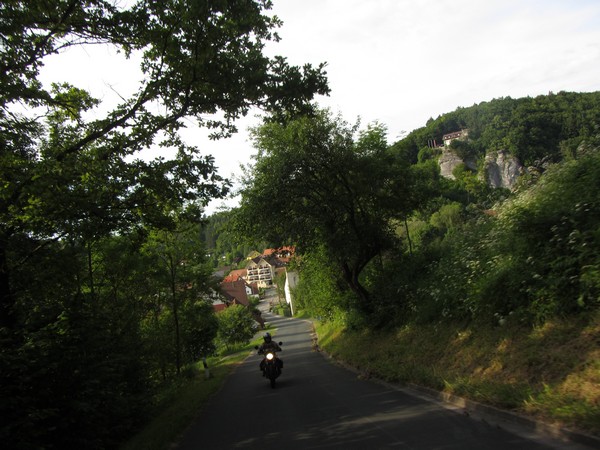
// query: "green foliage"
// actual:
[[198, 330], [537, 258], [283, 309], [530, 128], [223, 245], [425, 154], [81, 358], [236, 326], [448, 217], [181, 279], [320, 291], [318, 182], [464, 149], [89, 323], [557, 227]]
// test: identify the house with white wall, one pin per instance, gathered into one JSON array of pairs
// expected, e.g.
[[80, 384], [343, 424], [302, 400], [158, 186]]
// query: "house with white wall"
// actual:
[[291, 280], [448, 138]]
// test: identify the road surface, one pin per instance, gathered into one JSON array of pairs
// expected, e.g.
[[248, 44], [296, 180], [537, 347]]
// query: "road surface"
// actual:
[[319, 405]]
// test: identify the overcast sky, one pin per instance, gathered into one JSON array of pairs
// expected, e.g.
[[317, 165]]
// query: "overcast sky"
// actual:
[[401, 62]]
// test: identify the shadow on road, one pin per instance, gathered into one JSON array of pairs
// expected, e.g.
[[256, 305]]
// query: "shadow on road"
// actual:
[[319, 405]]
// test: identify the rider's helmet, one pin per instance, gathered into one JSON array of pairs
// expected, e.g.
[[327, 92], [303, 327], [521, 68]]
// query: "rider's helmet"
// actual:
[[267, 337]]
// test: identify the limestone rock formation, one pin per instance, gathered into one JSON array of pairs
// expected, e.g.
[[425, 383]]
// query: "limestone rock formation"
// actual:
[[449, 161], [501, 169]]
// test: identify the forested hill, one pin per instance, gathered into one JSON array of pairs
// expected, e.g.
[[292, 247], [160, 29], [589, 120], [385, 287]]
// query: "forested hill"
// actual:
[[222, 247], [531, 128], [473, 286], [546, 128], [492, 294]]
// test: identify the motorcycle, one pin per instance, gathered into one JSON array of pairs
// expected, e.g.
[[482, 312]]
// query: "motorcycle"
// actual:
[[271, 365]]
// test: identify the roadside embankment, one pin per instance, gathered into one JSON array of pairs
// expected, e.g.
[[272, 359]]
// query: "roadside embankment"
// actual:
[[550, 373]]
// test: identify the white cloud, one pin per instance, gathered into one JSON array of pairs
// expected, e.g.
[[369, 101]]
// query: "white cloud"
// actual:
[[403, 61]]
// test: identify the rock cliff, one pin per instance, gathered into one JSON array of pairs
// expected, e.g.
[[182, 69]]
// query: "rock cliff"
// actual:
[[449, 161], [500, 168]]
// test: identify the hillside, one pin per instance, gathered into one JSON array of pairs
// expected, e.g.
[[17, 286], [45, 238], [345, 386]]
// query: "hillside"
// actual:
[[550, 372], [479, 288], [544, 128], [456, 248]]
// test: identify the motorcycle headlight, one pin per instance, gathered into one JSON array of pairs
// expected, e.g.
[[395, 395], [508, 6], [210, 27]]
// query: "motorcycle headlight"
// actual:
[[270, 356]]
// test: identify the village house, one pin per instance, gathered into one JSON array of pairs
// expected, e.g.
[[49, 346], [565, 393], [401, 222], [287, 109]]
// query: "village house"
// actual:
[[235, 292], [448, 138], [264, 268], [291, 280], [240, 285], [238, 292], [235, 275], [260, 271]]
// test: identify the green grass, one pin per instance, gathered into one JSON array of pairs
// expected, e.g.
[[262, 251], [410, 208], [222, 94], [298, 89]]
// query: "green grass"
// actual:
[[184, 399], [550, 372]]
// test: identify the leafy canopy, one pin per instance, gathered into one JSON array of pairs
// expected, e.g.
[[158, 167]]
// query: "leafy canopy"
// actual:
[[87, 320], [66, 174], [317, 181]]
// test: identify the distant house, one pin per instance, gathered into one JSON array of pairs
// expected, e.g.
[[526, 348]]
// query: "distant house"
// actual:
[[263, 269], [291, 280], [253, 254], [235, 275], [448, 138], [254, 290], [260, 271], [283, 253], [235, 292]]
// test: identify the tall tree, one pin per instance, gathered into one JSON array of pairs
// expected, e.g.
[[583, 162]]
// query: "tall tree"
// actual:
[[182, 276], [63, 174], [71, 176], [319, 181], [236, 325]]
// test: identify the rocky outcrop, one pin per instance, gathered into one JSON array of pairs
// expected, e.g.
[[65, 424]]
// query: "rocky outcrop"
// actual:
[[501, 169], [449, 161]]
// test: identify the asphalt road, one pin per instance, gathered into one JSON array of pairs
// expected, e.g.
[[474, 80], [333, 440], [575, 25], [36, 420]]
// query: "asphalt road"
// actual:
[[319, 405]]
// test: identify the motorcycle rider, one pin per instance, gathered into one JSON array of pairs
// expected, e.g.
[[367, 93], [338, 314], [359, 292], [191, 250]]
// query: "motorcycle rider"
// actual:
[[269, 344]]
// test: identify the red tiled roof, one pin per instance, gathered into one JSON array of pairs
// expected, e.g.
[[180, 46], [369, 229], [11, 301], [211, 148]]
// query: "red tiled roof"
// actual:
[[235, 290], [235, 275], [280, 250]]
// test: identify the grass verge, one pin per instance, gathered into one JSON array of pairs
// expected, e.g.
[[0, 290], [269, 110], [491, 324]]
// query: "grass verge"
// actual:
[[550, 372], [183, 400]]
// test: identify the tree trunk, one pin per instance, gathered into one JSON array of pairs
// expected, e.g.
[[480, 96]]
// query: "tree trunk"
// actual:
[[351, 276], [7, 316], [408, 237], [175, 316]]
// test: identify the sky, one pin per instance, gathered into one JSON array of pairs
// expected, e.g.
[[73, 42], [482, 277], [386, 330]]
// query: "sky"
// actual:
[[401, 62]]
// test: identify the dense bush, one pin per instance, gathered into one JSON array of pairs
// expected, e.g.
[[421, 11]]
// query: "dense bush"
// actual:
[[556, 228], [321, 291], [236, 326], [533, 257]]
